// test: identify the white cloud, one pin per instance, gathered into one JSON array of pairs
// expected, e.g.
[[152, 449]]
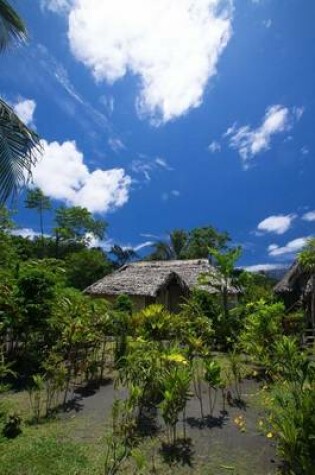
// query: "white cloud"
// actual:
[[309, 216], [263, 267], [25, 109], [62, 175], [172, 46], [57, 6], [26, 233], [250, 142], [276, 224], [291, 247], [214, 147]]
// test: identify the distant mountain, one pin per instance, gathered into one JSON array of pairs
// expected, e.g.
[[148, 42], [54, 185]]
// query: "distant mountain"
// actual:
[[276, 274], [273, 273]]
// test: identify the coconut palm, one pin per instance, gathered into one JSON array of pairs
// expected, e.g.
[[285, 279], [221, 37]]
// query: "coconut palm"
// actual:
[[18, 144], [171, 249], [122, 255]]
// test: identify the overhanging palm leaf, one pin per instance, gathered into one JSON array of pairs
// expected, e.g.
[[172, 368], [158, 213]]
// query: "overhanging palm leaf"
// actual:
[[19, 147], [12, 27]]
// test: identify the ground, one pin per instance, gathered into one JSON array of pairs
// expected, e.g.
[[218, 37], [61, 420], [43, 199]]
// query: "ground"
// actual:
[[74, 442]]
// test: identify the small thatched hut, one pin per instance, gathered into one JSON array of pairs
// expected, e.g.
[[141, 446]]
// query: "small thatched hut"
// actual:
[[165, 282], [297, 289]]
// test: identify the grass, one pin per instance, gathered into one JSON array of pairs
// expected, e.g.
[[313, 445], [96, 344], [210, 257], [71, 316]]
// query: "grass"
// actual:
[[37, 455]]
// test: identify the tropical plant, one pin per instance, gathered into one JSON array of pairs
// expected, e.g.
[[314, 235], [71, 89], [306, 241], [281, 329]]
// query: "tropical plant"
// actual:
[[77, 225], [85, 267], [223, 279], [154, 323], [262, 327], [19, 145], [236, 368], [122, 255], [213, 378], [176, 393], [35, 199], [200, 240], [171, 249], [293, 421], [12, 426], [13, 29], [307, 260], [36, 393]]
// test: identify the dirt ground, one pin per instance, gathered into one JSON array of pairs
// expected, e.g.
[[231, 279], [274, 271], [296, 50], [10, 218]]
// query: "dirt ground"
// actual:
[[216, 445]]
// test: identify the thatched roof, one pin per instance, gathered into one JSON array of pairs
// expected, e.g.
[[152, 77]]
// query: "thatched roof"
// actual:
[[287, 283], [146, 278], [295, 280]]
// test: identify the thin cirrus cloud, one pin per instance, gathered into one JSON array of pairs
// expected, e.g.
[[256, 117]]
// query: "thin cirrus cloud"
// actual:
[[279, 224], [172, 47], [62, 175], [250, 142], [146, 166], [291, 248]]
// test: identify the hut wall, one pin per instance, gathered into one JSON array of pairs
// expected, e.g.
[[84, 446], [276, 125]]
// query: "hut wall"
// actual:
[[171, 297], [138, 301]]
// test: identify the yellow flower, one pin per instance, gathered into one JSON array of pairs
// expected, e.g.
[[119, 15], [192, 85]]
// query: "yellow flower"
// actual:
[[237, 420], [255, 373], [269, 435], [261, 423], [177, 358]]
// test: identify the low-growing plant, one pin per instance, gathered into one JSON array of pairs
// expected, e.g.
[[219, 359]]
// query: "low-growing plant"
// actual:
[[293, 421], [198, 378], [235, 366], [12, 426], [262, 328], [36, 396], [213, 379], [176, 393]]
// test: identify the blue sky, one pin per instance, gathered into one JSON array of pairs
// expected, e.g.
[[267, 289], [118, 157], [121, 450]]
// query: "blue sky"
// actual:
[[174, 114]]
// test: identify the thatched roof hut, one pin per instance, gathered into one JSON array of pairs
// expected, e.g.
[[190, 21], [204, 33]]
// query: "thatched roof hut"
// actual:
[[296, 288], [165, 282], [295, 281]]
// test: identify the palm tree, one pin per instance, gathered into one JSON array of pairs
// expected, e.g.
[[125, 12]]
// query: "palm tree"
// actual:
[[122, 255], [172, 249], [12, 27], [19, 145]]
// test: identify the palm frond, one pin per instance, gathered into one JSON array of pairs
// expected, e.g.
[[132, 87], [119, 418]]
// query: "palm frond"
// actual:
[[19, 151], [12, 28]]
